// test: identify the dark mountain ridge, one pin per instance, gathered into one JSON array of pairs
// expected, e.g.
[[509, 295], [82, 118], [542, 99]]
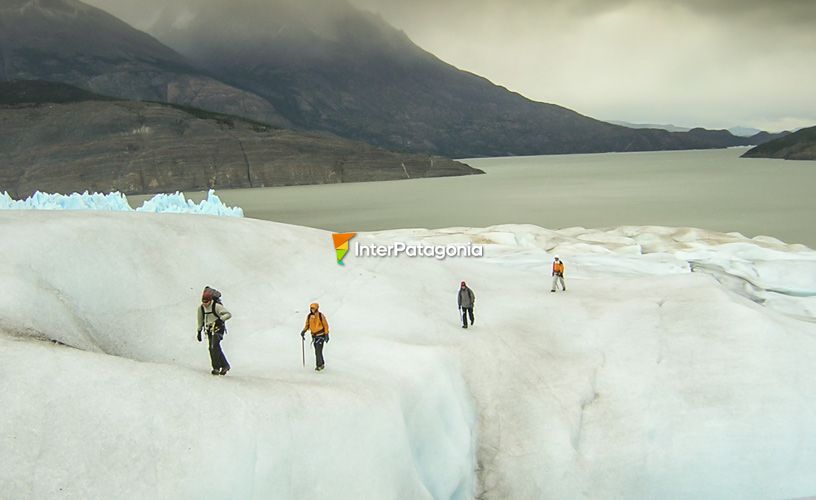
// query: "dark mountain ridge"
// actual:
[[356, 76], [799, 145], [309, 64]]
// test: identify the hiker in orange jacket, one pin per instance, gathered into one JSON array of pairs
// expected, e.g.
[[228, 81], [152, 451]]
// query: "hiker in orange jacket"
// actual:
[[318, 326], [558, 274]]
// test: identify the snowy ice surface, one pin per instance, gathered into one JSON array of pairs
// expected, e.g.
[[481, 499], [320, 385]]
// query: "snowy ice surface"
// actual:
[[117, 202], [677, 365]]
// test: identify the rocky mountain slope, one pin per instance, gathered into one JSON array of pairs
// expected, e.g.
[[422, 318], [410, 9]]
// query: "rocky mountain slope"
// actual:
[[65, 139], [71, 42]]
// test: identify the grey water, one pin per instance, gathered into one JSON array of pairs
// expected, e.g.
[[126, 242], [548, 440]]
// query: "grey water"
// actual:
[[709, 189]]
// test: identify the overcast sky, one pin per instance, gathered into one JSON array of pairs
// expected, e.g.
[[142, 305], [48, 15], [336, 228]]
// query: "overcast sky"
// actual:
[[715, 63], [712, 63]]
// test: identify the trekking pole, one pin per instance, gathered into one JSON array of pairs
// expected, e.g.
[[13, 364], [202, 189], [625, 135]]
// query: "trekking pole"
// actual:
[[303, 350]]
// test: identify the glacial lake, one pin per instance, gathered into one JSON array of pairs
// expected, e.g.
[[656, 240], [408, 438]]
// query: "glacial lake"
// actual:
[[710, 189]]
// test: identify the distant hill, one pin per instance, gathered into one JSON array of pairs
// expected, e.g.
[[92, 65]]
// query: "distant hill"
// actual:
[[669, 128], [755, 136], [71, 42], [744, 131], [799, 145], [60, 138], [763, 137]]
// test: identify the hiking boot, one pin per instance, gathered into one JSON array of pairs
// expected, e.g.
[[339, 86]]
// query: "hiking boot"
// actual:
[[320, 368], [223, 371], [464, 326], [216, 372], [553, 291]]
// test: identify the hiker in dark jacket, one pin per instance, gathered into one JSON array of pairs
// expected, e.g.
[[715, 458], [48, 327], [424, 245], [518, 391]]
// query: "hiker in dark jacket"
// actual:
[[318, 326], [466, 299], [211, 317]]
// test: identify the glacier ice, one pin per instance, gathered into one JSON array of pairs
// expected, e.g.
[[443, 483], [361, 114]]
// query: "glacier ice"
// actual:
[[117, 202], [111, 202], [177, 203], [645, 380]]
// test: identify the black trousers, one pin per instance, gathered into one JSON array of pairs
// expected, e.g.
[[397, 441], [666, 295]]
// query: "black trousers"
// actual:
[[465, 312], [216, 354], [318, 348]]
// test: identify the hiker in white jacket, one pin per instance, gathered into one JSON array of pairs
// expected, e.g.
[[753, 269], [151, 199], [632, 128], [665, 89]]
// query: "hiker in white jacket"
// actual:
[[212, 316]]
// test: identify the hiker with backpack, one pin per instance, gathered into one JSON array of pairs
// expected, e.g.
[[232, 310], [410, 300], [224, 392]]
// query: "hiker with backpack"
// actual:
[[317, 325], [466, 300], [212, 316], [558, 274]]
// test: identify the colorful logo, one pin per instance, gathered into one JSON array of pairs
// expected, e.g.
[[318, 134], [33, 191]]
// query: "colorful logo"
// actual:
[[341, 245]]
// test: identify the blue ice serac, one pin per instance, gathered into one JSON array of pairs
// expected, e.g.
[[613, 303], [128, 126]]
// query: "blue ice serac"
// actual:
[[176, 203]]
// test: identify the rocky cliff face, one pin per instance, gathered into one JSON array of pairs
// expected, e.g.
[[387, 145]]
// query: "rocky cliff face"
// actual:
[[71, 42], [800, 145], [138, 147]]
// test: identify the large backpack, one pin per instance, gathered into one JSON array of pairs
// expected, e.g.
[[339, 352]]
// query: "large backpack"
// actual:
[[320, 317], [216, 298], [216, 295]]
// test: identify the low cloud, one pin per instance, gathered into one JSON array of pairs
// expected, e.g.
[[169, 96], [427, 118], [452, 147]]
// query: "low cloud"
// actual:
[[714, 63]]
